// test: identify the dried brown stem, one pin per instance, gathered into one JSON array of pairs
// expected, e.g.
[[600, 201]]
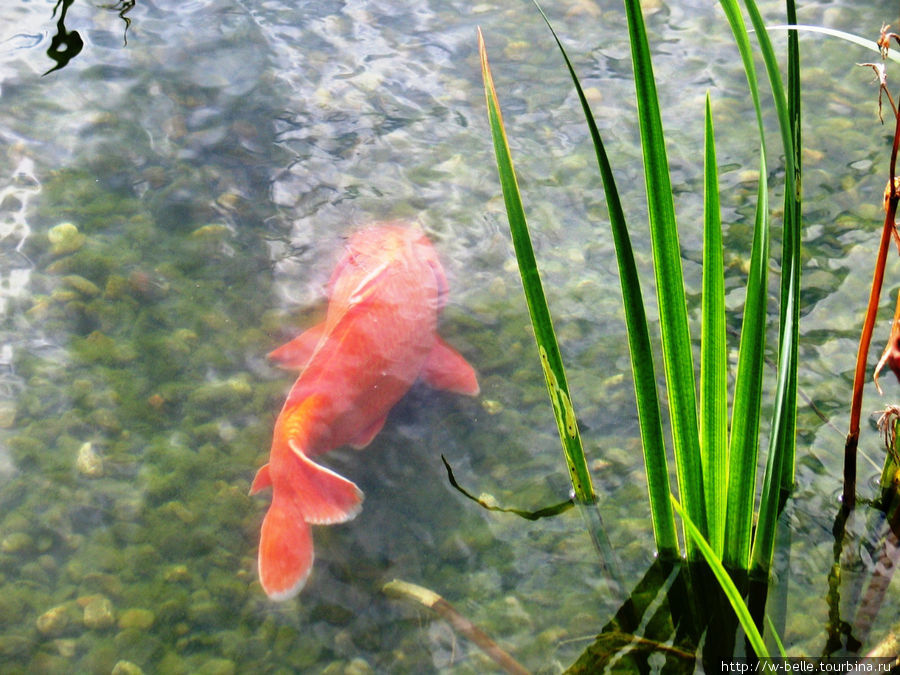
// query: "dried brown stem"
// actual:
[[865, 341], [889, 230], [461, 624]]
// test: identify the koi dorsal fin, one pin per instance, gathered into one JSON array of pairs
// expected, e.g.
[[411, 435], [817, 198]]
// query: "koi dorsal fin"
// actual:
[[365, 286]]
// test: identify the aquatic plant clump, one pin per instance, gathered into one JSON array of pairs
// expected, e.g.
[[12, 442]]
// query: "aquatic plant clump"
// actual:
[[716, 474]]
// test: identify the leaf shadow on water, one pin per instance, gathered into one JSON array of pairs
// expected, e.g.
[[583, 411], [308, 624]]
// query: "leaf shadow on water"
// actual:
[[662, 619], [663, 622], [678, 618], [865, 555]]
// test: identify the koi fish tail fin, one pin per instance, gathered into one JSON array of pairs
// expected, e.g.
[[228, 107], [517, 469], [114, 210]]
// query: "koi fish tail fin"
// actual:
[[321, 495], [312, 495], [285, 549]]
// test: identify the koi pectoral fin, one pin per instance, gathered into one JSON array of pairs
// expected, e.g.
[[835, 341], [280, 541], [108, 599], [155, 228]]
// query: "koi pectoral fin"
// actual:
[[296, 353], [445, 368], [262, 480]]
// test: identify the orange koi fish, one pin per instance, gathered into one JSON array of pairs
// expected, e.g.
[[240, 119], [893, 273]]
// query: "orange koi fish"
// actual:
[[379, 335]]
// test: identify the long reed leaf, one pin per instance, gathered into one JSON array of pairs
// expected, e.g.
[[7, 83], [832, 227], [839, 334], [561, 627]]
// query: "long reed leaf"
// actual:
[[764, 541], [551, 360], [778, 93], [791, 250], [676, 342], [713, 351], [642, 367], [548, 348], [782, 438], [746, 406]]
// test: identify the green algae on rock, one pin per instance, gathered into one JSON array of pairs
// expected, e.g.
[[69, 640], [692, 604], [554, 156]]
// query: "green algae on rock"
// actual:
[[65, 238], [99, 613]]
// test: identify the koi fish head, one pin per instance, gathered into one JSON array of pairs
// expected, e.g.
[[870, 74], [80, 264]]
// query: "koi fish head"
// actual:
[[391, 245]]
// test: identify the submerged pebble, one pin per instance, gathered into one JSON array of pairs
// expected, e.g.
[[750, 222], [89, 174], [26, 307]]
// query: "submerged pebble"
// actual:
[[215, 231], [89, 463], [136, 617], [45, 662], [358, 666], [54, 621], [218, 667], [82, 285], [492, 406], [17, 542], [65, 238], [99, 613], [126, 668], [66, 647], [177, 573], [14, 645], [178, 510], [7, 414]]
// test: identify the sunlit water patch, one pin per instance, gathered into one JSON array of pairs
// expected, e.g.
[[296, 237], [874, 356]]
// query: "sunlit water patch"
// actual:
[[170, 210]]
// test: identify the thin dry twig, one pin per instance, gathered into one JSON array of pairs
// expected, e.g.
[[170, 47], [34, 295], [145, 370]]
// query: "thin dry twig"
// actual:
[[889, 230], [430, 599], [888, 428]]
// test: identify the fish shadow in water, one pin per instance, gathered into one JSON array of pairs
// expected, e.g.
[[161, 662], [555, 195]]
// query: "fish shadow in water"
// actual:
[[410, 507]]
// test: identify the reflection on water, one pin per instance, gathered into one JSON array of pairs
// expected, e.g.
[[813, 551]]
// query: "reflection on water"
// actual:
[[123, 7], [170, 211], [66, 44]]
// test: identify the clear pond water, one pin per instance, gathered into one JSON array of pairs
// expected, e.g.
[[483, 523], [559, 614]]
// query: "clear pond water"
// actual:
[[173, 197]]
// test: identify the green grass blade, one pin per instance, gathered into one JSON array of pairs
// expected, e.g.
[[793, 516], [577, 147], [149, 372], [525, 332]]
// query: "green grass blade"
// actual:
[[779, 442], [776, 637], [791, 252], [746, 408], [779, 467], [676, 342], [728, 587], [778, 94], [551, 360], [742, 39], [782, 438], [642, 366], [713, 352]]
